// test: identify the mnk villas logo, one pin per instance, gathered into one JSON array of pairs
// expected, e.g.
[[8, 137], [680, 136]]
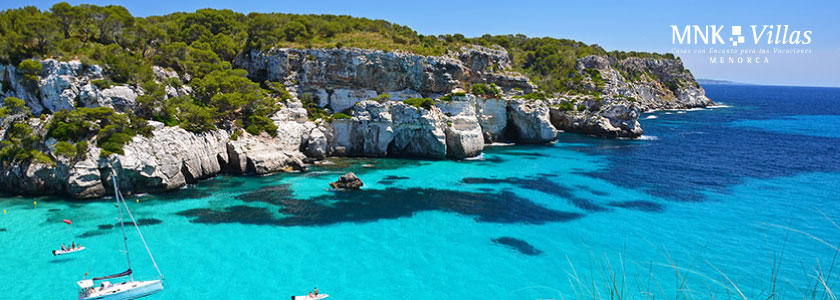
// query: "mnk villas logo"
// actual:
[[724, 42], [711, 34]]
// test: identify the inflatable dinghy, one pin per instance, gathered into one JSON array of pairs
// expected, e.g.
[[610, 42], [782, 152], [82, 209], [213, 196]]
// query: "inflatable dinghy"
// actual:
[[306, 297], [62, 252]]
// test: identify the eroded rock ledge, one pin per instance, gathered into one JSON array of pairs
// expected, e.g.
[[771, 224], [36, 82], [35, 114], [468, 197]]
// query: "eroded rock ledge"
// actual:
[[343, 80]]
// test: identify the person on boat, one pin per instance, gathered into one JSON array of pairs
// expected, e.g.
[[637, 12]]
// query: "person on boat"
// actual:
[[310, 295], [63, 248], [316, 291], [73, 246]]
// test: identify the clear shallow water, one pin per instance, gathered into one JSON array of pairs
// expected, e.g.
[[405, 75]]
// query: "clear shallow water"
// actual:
[[707, 190]]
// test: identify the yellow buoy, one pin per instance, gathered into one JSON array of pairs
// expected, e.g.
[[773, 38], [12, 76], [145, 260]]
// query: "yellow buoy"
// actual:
[[4, 211], [138, 200], [35, 203]]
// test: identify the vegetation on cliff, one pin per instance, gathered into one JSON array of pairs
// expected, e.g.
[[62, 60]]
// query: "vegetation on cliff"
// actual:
[[209, 40], [202, 47]]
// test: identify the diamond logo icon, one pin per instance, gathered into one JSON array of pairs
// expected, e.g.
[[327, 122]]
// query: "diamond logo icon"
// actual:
[[736, 38]]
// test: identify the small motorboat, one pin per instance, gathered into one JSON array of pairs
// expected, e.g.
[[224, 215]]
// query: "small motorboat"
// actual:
[[67, 251], [307, 297]]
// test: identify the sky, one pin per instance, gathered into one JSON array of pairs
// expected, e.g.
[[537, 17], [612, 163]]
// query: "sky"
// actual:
[[615, 25]]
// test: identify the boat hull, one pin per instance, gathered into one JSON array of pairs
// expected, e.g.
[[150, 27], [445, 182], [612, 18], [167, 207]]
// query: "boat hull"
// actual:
[[62, 252], [126, 291]]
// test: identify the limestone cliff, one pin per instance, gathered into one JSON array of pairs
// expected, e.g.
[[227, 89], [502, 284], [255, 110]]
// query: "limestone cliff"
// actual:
[[366, 86]]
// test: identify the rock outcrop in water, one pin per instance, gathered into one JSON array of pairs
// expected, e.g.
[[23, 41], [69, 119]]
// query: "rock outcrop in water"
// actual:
[[340, 80], [347, 181]]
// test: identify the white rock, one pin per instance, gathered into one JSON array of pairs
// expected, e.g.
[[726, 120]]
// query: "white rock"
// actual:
[[492, 116], [463, 132], [531, 121], [342, 99]]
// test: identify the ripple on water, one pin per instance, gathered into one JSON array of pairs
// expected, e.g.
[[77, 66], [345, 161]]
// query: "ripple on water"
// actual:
[[639, 205]]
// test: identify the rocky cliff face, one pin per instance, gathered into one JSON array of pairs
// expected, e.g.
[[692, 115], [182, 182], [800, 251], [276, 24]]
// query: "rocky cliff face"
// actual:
[[65, 85], [340, 80], [653, 83], [170, 159], [616, 117], [625, 88]]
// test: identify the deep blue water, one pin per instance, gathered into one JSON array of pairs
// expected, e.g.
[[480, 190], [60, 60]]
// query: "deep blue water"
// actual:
[[730, 196], [767, 132]]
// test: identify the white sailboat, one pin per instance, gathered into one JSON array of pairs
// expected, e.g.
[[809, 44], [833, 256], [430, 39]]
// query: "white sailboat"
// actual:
[[130, 289]]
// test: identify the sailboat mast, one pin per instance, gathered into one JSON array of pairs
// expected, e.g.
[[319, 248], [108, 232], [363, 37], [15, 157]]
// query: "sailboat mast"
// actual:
[[122, 225]]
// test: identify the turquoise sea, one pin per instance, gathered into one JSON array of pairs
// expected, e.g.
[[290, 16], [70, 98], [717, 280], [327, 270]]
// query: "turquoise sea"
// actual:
[[733, 202]]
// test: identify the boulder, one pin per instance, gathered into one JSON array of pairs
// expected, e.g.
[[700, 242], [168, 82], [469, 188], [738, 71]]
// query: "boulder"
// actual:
[[259, 154], [463, 132], [347, 181], [84, 179], [603, 117], [120, 98], [342, 99], [418, 131], [492, 117], [316, 146], [368, 132], [170, 159], [531, 121]]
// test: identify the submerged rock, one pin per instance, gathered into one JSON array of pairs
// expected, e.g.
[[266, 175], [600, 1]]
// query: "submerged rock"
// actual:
[[347, 181], [518, 245]]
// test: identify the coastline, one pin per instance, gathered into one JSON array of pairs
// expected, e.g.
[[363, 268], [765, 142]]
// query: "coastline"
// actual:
[[454, 125]]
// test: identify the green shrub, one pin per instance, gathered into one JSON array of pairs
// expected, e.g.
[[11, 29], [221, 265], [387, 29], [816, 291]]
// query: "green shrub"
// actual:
[[341, 116], [195, 118], [174, 82], [111, 129], [13, 106], [448, 97], [533, 96], [30, 67], [65, 149], [312, 109], [426, 103], [102, 83], [381, 98], [81, 149], [565, 106], [484, 90], [595, 75], [257, 124], [20, 145], [276, 89], [672, 86], [38, 156], [236, 134]]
